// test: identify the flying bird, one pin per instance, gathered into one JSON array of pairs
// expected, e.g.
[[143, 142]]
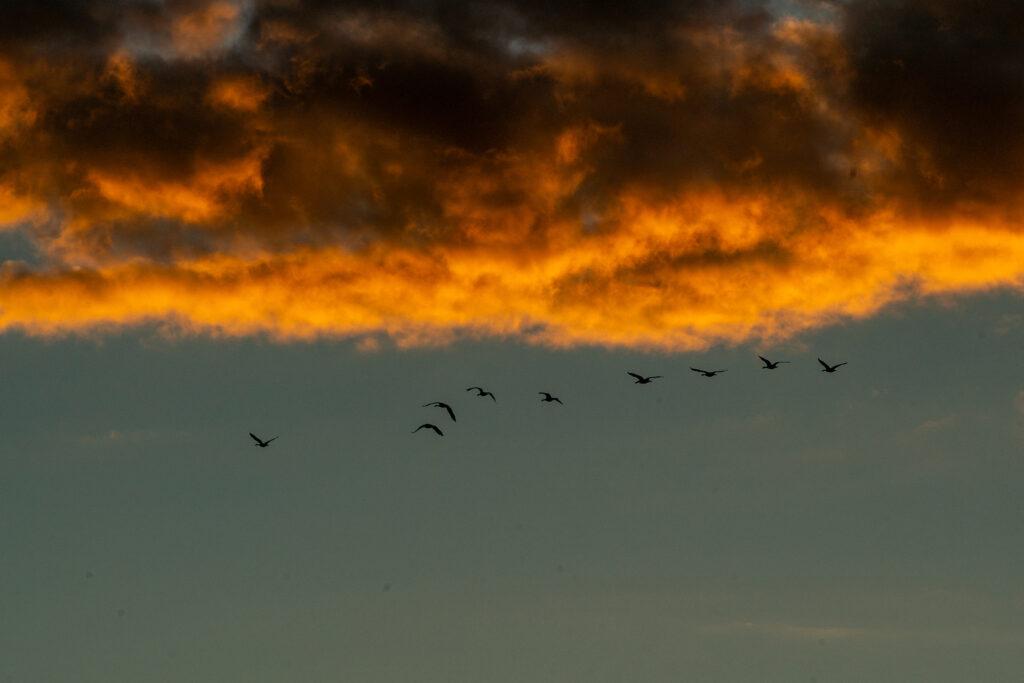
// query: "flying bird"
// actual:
[[768, 365], [640, 379], [427, 425], [260, 442], [480, 392], [830, 368], [548, 398], [708, 373], [441, 404]]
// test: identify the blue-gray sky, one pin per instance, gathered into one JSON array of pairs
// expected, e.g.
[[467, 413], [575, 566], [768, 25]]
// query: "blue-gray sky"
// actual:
[[760, 526]]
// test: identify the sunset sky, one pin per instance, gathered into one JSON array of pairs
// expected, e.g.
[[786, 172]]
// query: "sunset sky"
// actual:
[[310, 217]]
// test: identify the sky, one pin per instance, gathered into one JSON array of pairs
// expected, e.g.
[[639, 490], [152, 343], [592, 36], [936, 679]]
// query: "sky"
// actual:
[[307, 218]]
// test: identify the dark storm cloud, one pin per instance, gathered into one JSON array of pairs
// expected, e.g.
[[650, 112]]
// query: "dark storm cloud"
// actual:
[[429, 167], [948, 76]]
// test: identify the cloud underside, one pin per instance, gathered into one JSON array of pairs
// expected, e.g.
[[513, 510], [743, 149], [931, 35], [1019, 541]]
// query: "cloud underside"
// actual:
[[667, 177]]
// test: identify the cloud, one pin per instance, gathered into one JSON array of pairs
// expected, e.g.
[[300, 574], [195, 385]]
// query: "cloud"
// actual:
[[669, 177], [937, 424]]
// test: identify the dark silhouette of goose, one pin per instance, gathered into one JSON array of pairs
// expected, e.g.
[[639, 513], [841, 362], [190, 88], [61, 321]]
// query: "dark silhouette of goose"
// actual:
[[768, 365], [708, 373], [640, 379], [260, 442], [427, 425], [830, 368], [548, 398], [441, 404], [480, 392]]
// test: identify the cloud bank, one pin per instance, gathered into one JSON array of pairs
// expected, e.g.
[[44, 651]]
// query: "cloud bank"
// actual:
[[670, 176]]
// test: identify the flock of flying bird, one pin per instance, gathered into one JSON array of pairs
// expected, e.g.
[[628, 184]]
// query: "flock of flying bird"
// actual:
[[546, 397]]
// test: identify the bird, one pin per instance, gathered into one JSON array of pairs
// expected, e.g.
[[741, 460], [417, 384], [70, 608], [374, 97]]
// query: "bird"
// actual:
[[427, 425], [768, 365], [830, 368], [441, 404], [480, 392], [708, 373], [548, 398], [640, 379], [260, 442]]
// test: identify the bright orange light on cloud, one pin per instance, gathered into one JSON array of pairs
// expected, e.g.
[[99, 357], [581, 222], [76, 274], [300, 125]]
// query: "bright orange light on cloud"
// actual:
[[367, 174], [684, 276]]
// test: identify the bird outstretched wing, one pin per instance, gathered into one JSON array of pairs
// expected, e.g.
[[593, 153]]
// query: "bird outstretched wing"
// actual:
[[766, 361], [269, 440], [451, 413], [698, 370], [255, 438], [487, 393], [475, 389], [633, 374], [823, 364], [427, 425]]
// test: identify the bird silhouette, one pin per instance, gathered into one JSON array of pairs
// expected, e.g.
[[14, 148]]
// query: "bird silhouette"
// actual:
[[708, 373], [548, 398], [260, 442], [768, 365], [640, 379], [441, 404], [830, 368], [427, 425], [480, 392]]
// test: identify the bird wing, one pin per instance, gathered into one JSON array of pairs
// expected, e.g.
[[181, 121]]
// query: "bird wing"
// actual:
[[487, 393], [428, 405], [436, 429], [717, 371], [823, 363], [269, 440], [544, 393], [767, 362], [419, 428], [559, 401], [475, 388], [258, 440], [451, 412], [655, 377], [698, 370], [633, 374], [838, 364]]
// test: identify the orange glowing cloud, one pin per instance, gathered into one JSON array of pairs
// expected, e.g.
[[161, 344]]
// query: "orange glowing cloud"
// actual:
[[699, 271], [356, 173], [243, 94], [16, 208]]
